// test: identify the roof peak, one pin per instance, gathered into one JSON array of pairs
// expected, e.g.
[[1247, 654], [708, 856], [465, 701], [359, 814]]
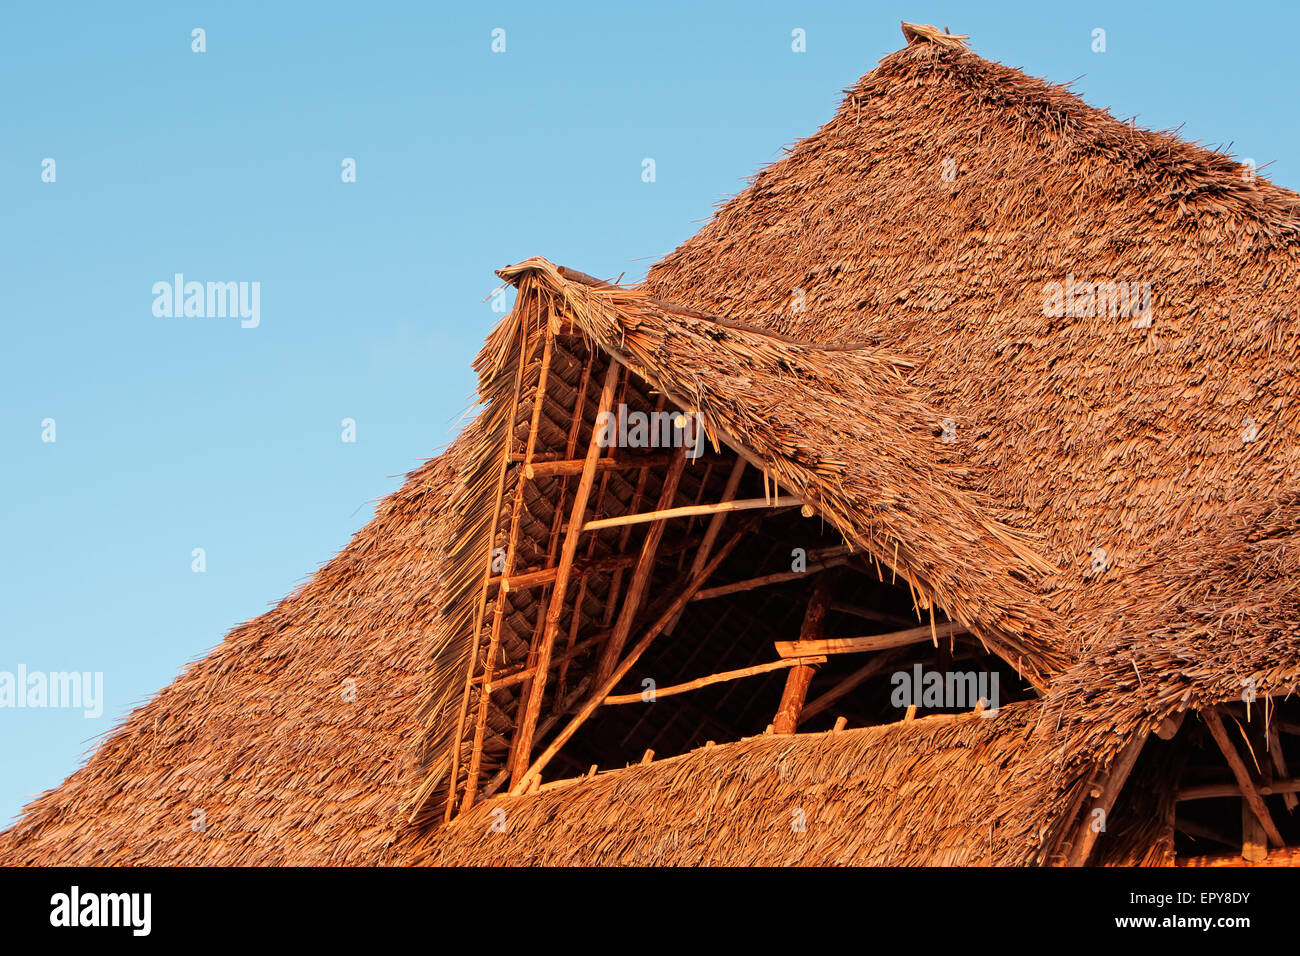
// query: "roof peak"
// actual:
[[925, 33]]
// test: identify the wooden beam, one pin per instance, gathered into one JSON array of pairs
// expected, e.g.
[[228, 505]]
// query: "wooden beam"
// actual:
[[777, 577], [1249, 790], [539, 577], [481, 607], [715, 527], [747, 504], [718, 678], [603, 691], [872, 642], [640, 583], [555, 608], [1086, 834], [573, 466], [522, 672], [1279, 764], [1210, 791], [797, 682]]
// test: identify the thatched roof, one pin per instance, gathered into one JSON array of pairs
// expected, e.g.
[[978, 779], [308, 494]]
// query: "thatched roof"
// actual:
[[1102, 508], [1090, 432], [1210, 618], [937, 791]]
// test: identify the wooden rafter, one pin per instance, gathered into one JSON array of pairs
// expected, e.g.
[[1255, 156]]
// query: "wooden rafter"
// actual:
[[1210, 791], [1279, 764], [506, 457], [1249, 789], [665, 514], [512, 541], [715, 527], [871, 642], [573, 466], [718, 678], [555, 607], [640, 583]]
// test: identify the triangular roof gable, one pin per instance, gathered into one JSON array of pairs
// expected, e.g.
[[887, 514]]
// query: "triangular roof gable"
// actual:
[[839, 428]]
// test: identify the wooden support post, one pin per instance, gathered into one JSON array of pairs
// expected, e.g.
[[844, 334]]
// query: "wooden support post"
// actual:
[[555, 608], [798, 680], [637, 587], [1089, 829], [1254, 841], [655, 629], [1249, 791]]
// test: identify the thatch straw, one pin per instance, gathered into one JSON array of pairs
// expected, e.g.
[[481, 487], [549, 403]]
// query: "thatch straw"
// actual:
[[936, 791]]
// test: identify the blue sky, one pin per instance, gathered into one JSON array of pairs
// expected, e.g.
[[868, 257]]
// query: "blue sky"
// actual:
[[181, 433]]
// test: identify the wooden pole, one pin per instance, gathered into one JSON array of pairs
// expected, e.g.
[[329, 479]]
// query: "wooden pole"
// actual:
[[718, 678], [1210, 791], [636, 589], [479, 610], [498, 613], [1249, 791], [603, 691], [1087, 833], [573, 466], [1254, 841], [798, 680], [748, 504], [1279, 764], [872, 642], [715, 527], [554, 610]]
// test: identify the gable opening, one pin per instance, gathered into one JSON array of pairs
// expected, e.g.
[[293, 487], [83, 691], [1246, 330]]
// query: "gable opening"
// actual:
[[649, 590]]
